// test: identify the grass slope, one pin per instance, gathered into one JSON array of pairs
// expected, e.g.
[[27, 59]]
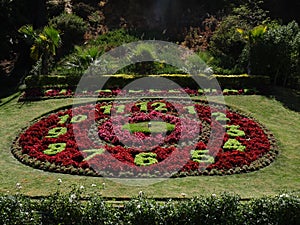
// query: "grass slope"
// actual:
[[283, 174]]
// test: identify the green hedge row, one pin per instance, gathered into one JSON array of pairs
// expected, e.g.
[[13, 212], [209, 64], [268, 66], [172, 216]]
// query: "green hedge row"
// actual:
[[225, 81], [222, 209]]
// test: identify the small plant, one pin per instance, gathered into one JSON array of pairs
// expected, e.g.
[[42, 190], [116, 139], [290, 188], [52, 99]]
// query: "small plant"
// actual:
[[145, 159], [233, 144], [202, 156]]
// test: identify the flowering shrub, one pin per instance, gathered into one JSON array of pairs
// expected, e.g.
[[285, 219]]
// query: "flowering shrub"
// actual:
[[87, 140], [225, 208]]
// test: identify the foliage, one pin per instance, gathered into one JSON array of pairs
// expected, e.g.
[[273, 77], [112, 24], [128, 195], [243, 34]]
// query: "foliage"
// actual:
[[227, 46], [156, 127], [72, 28], [247, 40], [275, 53], [197, 38], [202, 156], [44, 44], [254, 35], [233, 144], [145, 159], [39, 146], [113, 39], [281, 209], [79, 61], [83, 10], [61, 208], [17, 209], [97, 211], [82, 56], [220, 209], [252, 12], [242, 81], [148, 68]]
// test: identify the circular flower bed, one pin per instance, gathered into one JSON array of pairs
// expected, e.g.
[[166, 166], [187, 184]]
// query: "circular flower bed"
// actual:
[[150, 138]]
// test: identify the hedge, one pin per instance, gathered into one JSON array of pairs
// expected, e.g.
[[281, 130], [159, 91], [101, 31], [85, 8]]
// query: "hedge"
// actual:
[[225, 208], [120, 80]]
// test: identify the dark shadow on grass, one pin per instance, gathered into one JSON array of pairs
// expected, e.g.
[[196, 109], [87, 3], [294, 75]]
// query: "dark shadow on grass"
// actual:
[[288, 97], [12, 97]]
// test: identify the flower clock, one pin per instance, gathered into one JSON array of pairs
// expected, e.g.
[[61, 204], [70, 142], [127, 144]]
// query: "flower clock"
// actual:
[[147, 138]]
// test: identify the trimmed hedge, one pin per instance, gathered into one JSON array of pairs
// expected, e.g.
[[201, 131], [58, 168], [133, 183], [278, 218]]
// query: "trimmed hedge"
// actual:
[[222, 209], [184, 80]]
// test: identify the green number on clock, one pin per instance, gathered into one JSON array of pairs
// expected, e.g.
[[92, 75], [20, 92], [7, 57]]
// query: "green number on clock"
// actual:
[[143, 106], [159, 106]]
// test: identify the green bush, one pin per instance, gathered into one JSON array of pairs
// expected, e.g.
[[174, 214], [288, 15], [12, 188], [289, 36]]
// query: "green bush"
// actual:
[[277, 53], [62, 208], [281, 210], [97, 211], [227, 46], [245, 81], [113, 39], [78, 61], [17, 209], [146, 68], [72, 28], [140, 211], [227, 209]]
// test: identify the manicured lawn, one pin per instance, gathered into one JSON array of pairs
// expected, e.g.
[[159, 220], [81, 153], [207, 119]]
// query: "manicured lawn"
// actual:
[[281, 175]]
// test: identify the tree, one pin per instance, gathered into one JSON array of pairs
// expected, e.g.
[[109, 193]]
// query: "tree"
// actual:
[[44, 44], [252, 37]]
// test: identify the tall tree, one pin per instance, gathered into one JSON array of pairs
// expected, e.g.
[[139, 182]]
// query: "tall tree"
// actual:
[[44, 44]]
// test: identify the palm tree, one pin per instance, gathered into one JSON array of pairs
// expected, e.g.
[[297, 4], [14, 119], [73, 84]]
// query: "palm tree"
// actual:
[[44, 44], [252, 37]]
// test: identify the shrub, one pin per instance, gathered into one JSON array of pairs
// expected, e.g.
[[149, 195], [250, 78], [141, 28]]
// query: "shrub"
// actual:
[[147, 68], [184, 80], [226, 208], [197, 38], [72, 28], [282, 209], [17, 209], [113, 39], [227, 46], [62, 208], [97, 211], [78, 61], [276, 53], [83, 10], [140, 211]]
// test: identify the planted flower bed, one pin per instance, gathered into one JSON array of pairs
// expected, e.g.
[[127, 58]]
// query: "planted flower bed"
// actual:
[[57, 92], [148, 138]]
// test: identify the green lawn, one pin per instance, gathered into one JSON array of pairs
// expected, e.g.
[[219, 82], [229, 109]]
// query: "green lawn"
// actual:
[[281, 175], [156, 127]]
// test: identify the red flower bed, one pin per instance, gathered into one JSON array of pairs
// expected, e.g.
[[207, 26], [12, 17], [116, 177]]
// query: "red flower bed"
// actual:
[[56, 92], [96, 140]]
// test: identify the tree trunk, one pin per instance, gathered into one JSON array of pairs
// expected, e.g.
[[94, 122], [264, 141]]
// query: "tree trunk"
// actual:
[[276, 77], [45, 63]]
